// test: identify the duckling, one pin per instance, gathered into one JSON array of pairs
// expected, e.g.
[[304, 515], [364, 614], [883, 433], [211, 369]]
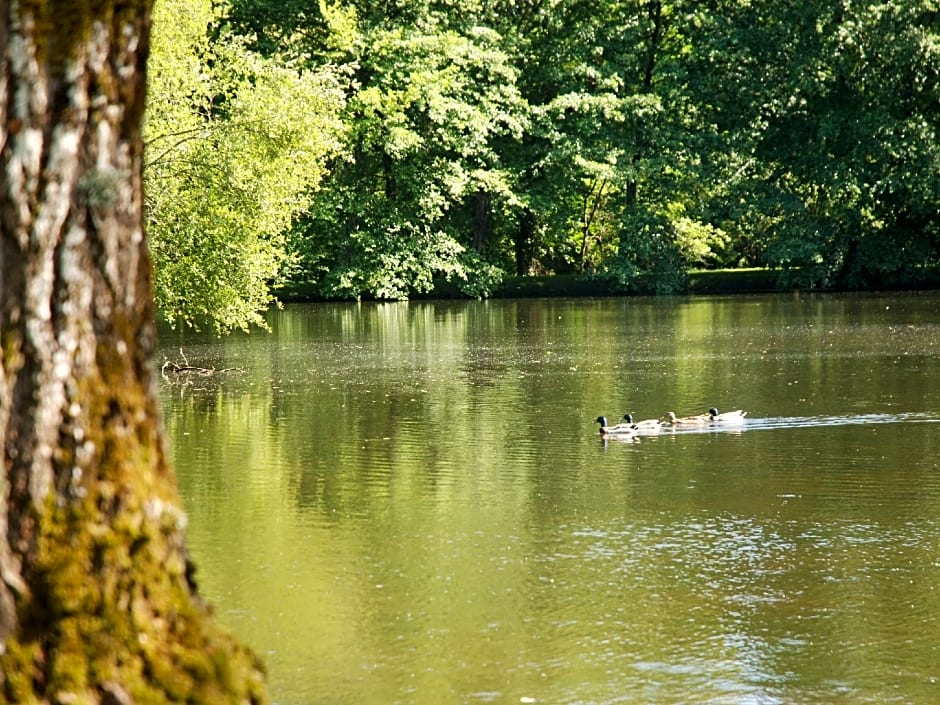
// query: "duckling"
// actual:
[[699, 420], [644, 425], [620, 429], [736, 416]]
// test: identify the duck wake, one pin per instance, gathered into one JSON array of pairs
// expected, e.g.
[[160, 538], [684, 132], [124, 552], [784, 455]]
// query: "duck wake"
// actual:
[[775, 422]]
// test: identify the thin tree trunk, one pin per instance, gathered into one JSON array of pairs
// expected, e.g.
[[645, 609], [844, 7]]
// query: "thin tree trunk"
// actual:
[[525, 236], [482, 219], [593, 199], [97, 601], [655, 34]]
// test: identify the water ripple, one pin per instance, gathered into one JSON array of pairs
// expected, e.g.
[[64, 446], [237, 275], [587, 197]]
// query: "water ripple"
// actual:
[[775, 422]]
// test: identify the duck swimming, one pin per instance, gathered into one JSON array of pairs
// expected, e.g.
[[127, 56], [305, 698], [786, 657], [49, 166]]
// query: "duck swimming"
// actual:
[[644, 425], [699, 420], [620, 429], [736, 416]]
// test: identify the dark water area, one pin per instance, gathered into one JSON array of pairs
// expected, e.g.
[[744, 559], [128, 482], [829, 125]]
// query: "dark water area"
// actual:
[[410, 502]]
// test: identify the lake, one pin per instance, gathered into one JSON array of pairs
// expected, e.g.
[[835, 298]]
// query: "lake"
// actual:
[[410, 502]]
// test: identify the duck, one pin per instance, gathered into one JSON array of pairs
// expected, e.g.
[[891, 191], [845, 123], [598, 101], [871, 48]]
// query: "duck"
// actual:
[[736, 416], [699, 420], [644, 425], [620, 429]]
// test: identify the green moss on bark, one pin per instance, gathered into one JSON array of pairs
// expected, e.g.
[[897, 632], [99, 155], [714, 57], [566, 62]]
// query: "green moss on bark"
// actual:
[[111, 600], [113, 604]]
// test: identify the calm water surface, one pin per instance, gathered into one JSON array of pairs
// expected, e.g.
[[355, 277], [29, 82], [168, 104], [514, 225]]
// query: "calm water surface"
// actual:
[[409, 503]]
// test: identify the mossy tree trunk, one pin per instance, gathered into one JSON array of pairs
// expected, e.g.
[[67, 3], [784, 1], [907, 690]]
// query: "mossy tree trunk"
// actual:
[[97, 602]]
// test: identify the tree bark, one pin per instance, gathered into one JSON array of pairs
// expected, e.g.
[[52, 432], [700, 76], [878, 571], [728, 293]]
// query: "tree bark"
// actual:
[[97, 601]]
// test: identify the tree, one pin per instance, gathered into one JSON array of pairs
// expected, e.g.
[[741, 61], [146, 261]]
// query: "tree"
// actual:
[[607, 169], [634, 138], [235, 144], [413, 202], [97, 598], [493, 135], [855, 87]]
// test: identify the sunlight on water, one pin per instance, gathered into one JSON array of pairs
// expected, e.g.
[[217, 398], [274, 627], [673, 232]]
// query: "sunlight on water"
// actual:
[[410, 503]]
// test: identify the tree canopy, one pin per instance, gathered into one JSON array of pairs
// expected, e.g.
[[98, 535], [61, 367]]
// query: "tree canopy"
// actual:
[[473, 139]]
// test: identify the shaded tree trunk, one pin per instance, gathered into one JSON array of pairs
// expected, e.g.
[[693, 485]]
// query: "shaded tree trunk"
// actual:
[[97, 601], [388, 174], [525, 236], [655, 32], [593, 199], [482, 219]]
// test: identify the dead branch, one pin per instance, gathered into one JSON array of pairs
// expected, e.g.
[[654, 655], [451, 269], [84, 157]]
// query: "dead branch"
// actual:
[[172, 367]]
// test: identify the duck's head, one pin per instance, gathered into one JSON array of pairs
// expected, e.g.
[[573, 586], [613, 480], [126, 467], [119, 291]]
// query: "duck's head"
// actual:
[[713, 411], [628, 418], [602, 420], [671, 415]]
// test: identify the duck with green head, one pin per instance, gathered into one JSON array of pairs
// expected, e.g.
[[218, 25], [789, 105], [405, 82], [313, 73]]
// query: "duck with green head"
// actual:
[[644, 425], [728, 417], [620, 429]]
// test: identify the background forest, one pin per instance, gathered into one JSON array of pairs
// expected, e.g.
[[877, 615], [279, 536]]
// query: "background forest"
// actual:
[[382, 149]]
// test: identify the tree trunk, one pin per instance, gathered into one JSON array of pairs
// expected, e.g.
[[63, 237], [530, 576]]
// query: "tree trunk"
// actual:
[[656, 32], [97, 601], [525, 236], [482, 219]]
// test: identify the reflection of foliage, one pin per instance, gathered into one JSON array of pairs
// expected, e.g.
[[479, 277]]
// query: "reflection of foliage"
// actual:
[[376, 443]]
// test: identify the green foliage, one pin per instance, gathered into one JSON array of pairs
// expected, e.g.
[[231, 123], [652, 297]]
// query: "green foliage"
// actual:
[[698, 244], [234, 144], [833, 112], [641, 138], [649, 257], [423, 123]]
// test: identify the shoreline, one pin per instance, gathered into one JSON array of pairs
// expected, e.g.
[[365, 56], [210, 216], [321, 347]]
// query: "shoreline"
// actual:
[[719, 281]]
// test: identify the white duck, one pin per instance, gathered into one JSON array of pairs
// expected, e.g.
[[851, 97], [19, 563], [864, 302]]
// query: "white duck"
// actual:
[[736, 416]]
